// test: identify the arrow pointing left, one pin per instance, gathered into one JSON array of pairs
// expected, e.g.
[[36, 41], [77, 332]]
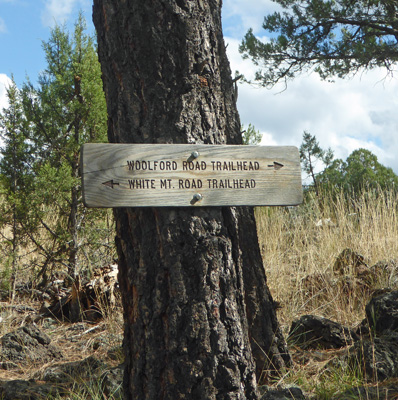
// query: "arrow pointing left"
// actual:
[[111, 183]]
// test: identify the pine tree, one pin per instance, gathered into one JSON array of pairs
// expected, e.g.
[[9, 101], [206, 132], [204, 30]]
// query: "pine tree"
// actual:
[[16, 176], [65, 110], [251, 136], [361, 171], [197, 308], [334, 38], [310, 154]]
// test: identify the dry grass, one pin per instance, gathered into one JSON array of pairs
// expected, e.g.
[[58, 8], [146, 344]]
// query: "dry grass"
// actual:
[[76, 341], [299, 257]]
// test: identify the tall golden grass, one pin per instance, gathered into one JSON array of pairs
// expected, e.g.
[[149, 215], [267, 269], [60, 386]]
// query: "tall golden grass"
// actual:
[[298, 255]]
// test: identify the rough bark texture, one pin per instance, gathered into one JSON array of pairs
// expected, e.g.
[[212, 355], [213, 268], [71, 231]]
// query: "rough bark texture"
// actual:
[[190, 278]]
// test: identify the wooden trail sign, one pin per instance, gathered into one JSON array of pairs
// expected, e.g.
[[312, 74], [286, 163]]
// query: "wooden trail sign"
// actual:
[[174, 175]]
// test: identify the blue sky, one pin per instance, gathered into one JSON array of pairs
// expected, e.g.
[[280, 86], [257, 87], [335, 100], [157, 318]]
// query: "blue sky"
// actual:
[[24, 24], [345, 115]]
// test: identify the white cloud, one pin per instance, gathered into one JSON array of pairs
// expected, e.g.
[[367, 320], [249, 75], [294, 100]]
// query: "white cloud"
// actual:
[[240, 15], [5, 81], [58, 11], [344, 115], [267, 139], [3, 27]]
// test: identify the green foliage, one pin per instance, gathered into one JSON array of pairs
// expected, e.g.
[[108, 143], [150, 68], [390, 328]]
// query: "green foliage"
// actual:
[[41, 160], [251, 136], [333, 37], [16, 160], [15, 181], [339, 378], [311, 154], [361, 171], [93, 389]]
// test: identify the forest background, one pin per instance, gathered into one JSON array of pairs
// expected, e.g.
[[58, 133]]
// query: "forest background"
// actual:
[[348, 114], [47, 232]]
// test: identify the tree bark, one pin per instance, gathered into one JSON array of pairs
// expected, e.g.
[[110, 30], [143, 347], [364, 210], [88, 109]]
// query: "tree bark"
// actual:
[[190, 278]]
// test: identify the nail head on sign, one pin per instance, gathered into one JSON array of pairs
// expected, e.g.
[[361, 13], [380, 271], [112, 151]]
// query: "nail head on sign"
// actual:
[[197, 197]]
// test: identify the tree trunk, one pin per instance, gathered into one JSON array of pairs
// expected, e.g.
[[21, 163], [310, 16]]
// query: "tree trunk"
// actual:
[[190, 278], [73, 229], [14, 240], [73, 225]]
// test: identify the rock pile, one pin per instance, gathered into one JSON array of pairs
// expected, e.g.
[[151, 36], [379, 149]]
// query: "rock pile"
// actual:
[[371, 348], [29, 347], [27, 344]]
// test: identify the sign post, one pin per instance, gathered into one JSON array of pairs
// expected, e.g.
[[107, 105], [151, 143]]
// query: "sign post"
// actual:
[[185, 175]]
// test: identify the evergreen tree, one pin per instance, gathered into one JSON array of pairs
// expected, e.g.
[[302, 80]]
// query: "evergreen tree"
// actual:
[[16, 176], [251, 136], [65, 110], [310, 154], [361, 171], [334, 37]]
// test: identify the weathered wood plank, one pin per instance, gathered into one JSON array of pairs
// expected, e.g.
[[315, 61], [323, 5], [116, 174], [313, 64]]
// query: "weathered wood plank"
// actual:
[[174, 175]]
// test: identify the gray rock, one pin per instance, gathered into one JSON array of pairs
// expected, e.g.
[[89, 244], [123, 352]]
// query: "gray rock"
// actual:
[[112, 382], [107, 341], [376, 353], [378, 358], [386, 272], [283, 393], [84, 370], [28, 344], [28, 390], [60, 378], [348, 262], [382, 312], [312, 332]]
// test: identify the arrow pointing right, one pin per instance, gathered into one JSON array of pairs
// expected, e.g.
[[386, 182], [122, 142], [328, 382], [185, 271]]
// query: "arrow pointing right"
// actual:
[[276, 165]]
